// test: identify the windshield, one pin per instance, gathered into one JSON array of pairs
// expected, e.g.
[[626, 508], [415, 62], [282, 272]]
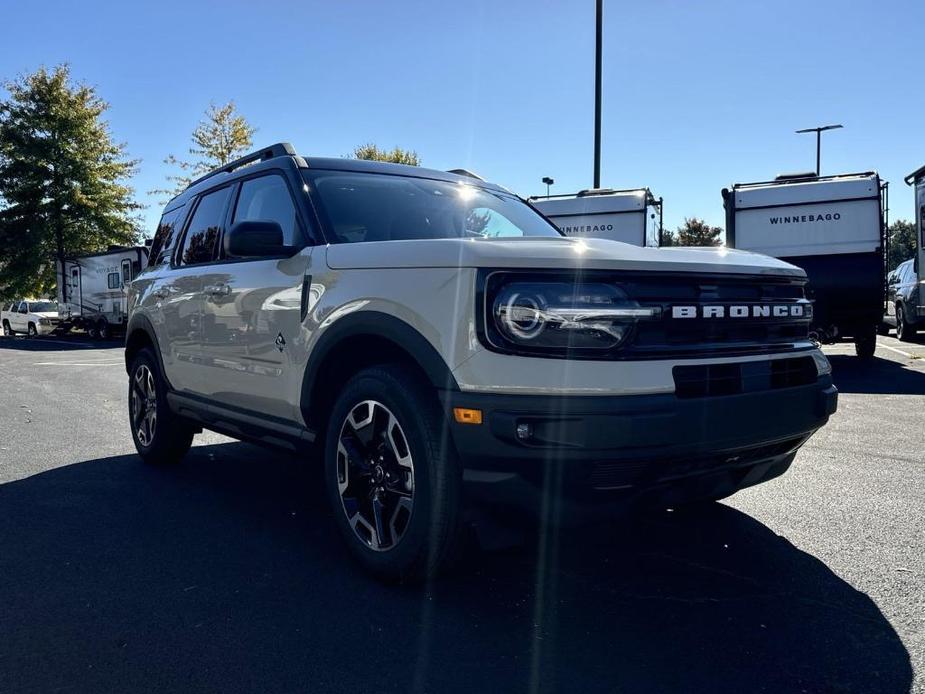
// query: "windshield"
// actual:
[[381, 207], [43, 306]]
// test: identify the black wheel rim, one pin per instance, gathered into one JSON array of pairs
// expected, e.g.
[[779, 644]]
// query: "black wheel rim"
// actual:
[[375, 475], [144, 405]]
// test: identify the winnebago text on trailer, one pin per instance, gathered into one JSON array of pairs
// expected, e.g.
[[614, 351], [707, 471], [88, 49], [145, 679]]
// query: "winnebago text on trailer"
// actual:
[[92, 288], [632, 216], [832, 227]]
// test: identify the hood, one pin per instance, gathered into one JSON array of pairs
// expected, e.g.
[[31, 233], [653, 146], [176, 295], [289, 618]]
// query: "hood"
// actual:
[[551, 253]]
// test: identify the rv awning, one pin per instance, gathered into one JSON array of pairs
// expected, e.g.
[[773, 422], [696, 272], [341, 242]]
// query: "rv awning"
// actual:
[[915, 175]]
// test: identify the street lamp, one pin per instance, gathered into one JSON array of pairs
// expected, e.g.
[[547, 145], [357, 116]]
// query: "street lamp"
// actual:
[[818, 132], [548, 181]]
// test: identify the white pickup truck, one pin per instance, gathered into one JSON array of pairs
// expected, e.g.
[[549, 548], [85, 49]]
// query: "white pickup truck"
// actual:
[[31, 316]]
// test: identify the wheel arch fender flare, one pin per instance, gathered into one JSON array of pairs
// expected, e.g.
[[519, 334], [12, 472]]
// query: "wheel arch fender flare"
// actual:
[[140, 324], [379, 325]]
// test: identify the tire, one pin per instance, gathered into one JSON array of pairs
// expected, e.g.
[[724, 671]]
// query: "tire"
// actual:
[[31, 331], [388, 455], [904, 331], [866, 344], [160, 436], [7, 330], [102, 329], [93, 332]]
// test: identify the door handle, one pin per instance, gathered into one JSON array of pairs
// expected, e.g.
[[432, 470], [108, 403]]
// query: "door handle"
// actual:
[[217, 289]]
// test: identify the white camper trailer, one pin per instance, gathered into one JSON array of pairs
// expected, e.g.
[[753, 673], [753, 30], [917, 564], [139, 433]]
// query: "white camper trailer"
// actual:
[[631, 216], [832, 227], [92, 288]]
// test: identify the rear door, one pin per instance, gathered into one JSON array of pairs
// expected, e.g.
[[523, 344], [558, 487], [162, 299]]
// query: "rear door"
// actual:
[[177, 291], [252, 307]]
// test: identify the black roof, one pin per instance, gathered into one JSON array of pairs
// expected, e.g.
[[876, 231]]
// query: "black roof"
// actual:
[[260, 157]]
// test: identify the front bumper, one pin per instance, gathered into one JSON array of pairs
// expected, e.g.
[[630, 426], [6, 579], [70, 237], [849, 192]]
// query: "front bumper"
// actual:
[[600, 450]]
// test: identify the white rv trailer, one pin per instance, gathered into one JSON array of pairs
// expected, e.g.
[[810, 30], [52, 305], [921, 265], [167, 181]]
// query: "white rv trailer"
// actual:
[[92, 288], [631, 216], [914, 304], [831, 226]]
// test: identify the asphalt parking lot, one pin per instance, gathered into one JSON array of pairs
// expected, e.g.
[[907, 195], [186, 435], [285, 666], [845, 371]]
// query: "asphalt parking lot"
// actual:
[[225, 574]]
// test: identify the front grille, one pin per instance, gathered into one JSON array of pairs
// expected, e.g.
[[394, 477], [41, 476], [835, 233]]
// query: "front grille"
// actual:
[[710, 380], [622, 474], [669, 336]]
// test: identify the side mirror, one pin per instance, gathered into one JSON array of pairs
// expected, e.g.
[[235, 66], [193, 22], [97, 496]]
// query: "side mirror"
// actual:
[[255, 238]]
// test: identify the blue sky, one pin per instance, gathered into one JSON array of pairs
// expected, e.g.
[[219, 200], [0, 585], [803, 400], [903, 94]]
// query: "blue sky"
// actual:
[[696, 95]]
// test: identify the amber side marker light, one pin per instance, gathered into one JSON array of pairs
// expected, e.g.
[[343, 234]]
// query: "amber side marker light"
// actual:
[[464, 415]]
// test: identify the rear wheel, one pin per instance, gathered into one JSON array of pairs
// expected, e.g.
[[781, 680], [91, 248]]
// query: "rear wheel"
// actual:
[[7, 330], [904, 331], [161, 437], [392, 476]]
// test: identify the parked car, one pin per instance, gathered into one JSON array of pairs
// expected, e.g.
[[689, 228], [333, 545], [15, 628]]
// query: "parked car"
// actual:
[[441, 343], [902, 300], [31, 316]]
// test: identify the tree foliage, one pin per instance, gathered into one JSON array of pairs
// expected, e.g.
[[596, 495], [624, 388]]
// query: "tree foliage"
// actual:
[[63, 180], [222, 136], [396, 155], [902, 242], [668, 238], [696, 232]]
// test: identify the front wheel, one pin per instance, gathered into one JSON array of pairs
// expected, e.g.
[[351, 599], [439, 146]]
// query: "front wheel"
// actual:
[[392, 476], [161, 437], [32, 331]]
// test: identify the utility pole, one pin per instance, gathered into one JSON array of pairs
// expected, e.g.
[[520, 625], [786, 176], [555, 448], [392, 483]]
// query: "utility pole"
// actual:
[[818, 132], [597, 93]]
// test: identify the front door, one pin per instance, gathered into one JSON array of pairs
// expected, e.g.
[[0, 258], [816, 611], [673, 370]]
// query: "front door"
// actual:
[[251, 313]]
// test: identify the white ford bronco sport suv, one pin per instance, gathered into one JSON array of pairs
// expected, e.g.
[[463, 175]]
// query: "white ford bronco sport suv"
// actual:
[[440, 341]]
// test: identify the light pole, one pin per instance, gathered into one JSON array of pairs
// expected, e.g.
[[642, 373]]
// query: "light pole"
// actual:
[[597, 93], [818, 132], [548, 181]]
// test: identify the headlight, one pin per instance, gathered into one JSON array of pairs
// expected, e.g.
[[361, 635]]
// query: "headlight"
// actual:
[[563, 316], [44, 321]]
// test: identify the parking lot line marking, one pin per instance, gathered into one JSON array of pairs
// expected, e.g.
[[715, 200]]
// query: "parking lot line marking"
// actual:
[[77, 363], [898, 351]]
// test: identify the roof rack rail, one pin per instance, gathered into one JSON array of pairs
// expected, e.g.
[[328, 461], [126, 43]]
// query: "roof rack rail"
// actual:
[[280, 149], [465, 172]]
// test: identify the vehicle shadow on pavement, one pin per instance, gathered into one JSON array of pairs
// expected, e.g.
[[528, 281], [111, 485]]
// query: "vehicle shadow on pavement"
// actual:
[[879, 376], [226, 574], [55, 344]]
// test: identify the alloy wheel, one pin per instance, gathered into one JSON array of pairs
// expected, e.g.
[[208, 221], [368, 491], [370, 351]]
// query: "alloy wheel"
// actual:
[[900, 323], [375, 475], [144, 405]]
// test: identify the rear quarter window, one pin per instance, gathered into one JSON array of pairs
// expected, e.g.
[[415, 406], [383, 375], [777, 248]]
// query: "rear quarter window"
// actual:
[[165, 237]]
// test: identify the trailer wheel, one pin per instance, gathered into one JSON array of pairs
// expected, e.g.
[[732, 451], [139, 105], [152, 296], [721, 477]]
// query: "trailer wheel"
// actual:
[[866, 345], [102, 329], [93, 332]]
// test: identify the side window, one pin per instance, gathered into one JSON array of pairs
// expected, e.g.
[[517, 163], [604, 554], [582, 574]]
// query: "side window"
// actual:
[[268, 198], [113, 280], [24, 307], [165, 237], [205, 228]]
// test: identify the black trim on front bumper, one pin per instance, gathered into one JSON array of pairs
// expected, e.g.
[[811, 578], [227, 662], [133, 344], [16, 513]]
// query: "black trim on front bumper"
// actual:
[[637, 441]]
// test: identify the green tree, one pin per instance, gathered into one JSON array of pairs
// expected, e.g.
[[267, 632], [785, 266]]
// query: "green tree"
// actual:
[[668, 238], [63, 180], [396, 156], [696, 232], [902, 242], [222, 136]]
